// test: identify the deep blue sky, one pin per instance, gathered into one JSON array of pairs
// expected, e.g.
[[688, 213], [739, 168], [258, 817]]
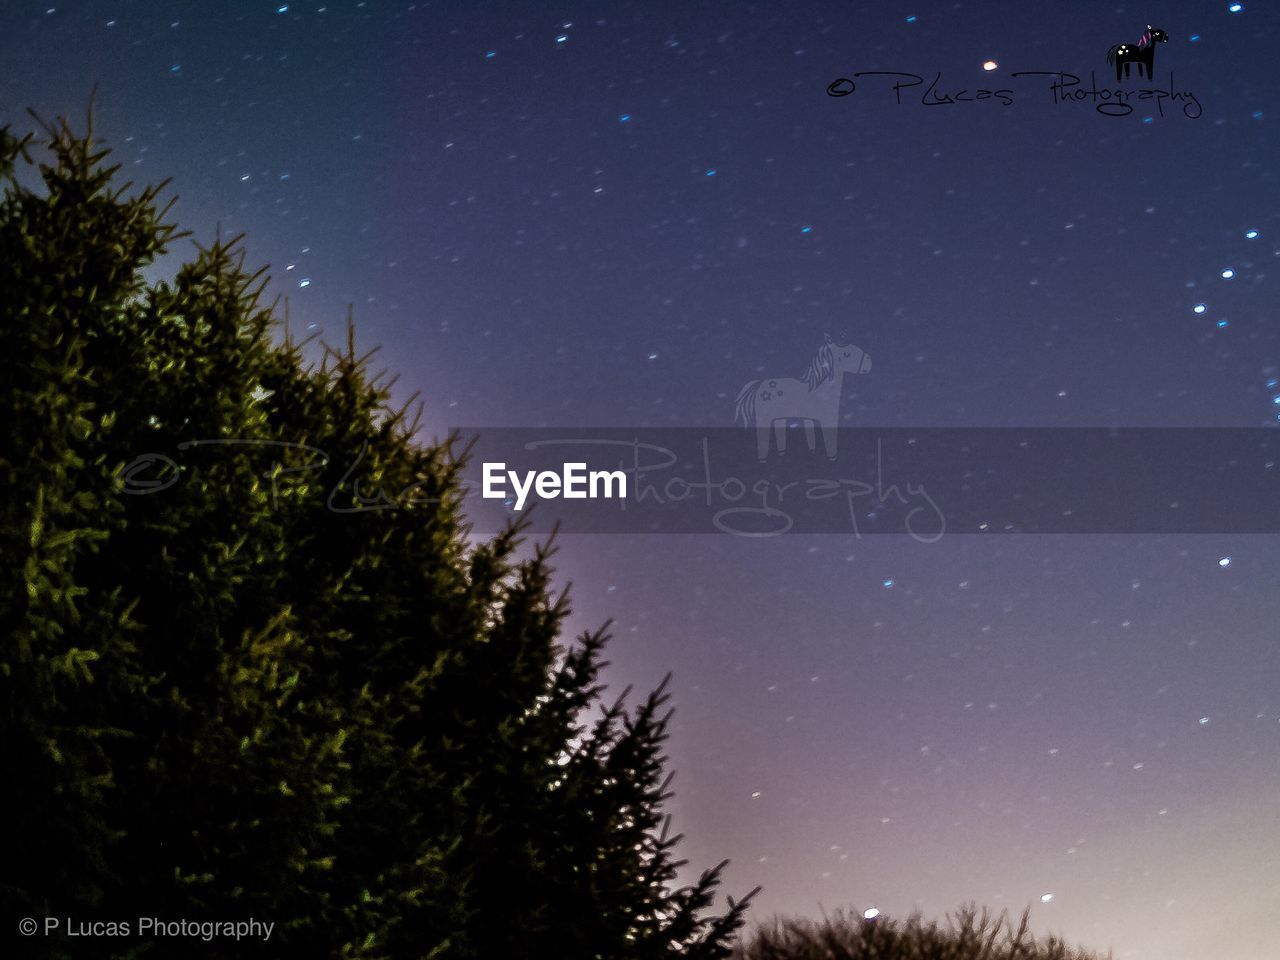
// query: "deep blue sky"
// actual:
[[623, 226]]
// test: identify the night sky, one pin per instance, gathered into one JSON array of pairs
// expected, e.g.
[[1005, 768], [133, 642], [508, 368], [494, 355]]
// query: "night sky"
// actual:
[[615, 214]]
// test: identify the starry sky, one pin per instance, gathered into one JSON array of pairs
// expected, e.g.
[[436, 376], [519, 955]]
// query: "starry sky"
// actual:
[[615, 214]]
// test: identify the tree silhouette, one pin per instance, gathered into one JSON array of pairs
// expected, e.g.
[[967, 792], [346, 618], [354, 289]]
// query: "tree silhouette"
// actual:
[[254, 664], [967, 934]]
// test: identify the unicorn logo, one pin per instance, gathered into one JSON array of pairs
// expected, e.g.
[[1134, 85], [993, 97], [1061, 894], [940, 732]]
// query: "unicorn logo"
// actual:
[[1124, 55], [814, 399]]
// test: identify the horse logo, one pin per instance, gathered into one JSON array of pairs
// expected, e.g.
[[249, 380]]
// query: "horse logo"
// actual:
[[1124, 55], [813, 398]]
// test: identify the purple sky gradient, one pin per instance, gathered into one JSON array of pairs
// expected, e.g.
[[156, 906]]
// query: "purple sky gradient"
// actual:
[[624, 226]]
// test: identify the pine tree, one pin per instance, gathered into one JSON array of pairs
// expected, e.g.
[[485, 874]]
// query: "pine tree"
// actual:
[[254, 665]]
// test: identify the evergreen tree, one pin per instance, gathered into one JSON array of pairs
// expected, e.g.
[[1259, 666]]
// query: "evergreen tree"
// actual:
[[253, 663]]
